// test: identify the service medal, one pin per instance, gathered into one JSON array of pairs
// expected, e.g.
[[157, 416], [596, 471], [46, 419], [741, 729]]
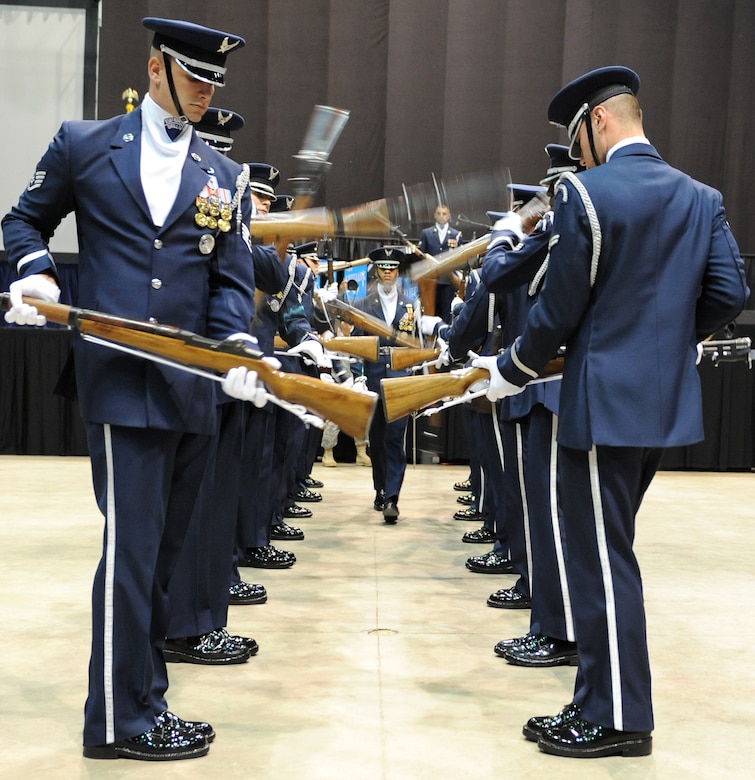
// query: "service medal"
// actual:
[[224, 225], [206, 243], [200, 219]]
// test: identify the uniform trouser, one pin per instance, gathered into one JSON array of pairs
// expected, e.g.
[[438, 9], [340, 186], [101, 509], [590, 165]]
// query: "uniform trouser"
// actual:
[[290, 438], [515, 501], [199, 587], [313, 437], [477, 487], [551, 602], [485, 430], [387, 452], [145, 483], [601, 492], [255, 505]]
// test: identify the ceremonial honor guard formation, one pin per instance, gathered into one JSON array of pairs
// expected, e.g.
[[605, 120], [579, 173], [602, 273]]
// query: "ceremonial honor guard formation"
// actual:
[[411, 620]]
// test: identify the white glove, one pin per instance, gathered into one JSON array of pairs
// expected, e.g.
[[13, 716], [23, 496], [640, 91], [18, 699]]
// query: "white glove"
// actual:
[[360, 384], [444, 359], [246, 339], [699, 357], [327, 294], [243, 384], [508, 230], [313, 353], [326, 376], [499, 387], [456, 302], [428, 323], [327, 335], [35, 286]]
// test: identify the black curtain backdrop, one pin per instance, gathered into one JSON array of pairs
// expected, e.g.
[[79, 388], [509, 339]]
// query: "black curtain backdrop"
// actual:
[[449, 87]]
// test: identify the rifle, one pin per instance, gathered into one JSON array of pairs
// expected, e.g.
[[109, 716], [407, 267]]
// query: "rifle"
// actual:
[[350, 411], [360, 319], [365, 347], [403, 395], [405, 357]]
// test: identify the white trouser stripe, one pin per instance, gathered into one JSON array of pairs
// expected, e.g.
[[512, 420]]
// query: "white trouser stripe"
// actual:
[[556, 524], [605, 566], [525, 505], [107, 638]]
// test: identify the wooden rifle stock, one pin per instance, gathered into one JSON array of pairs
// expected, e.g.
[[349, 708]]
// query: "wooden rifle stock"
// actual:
[[405, 357], [365, 347], [449, 261], [374, 325], [350, 411], [403, 395]]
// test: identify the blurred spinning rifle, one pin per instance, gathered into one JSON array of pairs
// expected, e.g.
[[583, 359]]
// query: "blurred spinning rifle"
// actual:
[[379, 219], [367, 322], [448, 262], [404, 395], [365, 347], [350, 411]]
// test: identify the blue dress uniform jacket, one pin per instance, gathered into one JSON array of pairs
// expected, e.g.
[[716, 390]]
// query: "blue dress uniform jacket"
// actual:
[[632, 381], [129, 267]]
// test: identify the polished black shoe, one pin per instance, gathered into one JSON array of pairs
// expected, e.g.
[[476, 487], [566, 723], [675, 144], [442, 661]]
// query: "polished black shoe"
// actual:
[[534, 728], [480, 536], [234, 640], [211, 649], [502, 646], [297, 512], [313, 483], [166, 741], [268, 557], [468, 499], [541, 651], [246, 593], [509, 598], [307, 495], [490, 563], [286, 533], [470, 513], [379, 503], [205, 729], [464, 486], [390, 511], [582, 739]]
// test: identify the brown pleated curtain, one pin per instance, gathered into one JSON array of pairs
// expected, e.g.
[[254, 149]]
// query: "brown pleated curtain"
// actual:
[[448, 87]]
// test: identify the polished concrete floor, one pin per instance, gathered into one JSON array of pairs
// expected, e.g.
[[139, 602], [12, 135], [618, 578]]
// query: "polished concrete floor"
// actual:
[[376, 649]]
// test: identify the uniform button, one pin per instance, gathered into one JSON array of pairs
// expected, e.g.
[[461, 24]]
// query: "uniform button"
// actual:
[[158, 244], [156, 284]]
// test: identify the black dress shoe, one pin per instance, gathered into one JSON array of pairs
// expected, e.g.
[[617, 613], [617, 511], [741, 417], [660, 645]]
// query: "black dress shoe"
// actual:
[[205, 729], [509, 598], [307, 495], [268, 557], [582, 739], [541, 651], [246, 593], [480, 536], [240, 641], [211, 649], [313, 483], [502, 646], [534, 728], [470, 513], [390, 511], [297, 512], [464, 486], [490, 563], [379, 503], [286, 533], [468, 499], [166, 741]]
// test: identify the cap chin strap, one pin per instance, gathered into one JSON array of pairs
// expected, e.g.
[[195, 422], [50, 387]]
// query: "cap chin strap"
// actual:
[[591, 141], [171, 86]]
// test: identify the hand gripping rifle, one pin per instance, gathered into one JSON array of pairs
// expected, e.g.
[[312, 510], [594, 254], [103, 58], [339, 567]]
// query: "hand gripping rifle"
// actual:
[[350, 411], [365, 347]]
